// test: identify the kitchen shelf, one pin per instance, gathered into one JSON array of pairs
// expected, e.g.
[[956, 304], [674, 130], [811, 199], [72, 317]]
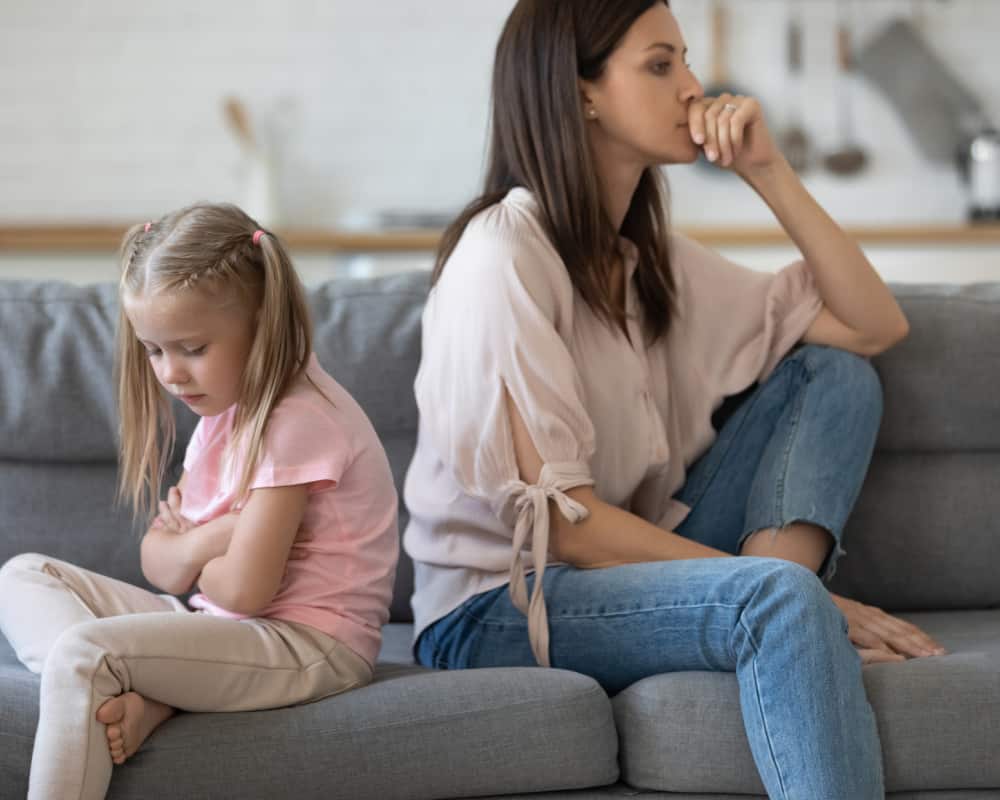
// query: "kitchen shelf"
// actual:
[[105, 237]]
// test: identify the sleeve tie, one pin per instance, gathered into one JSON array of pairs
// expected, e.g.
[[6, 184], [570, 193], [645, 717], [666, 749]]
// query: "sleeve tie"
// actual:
[[531, 506]]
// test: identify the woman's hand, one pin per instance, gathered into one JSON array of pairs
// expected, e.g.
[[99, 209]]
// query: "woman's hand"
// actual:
[[882, 637], [170, 513], [732, 132]]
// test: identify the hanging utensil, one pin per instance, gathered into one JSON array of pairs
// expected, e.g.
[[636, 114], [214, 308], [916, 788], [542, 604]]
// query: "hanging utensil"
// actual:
[[238, 118], [938, 109], [794, 139], [848, 158]]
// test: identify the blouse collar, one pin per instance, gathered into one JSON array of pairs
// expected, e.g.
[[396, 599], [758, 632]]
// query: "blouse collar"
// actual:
[[522, 197]]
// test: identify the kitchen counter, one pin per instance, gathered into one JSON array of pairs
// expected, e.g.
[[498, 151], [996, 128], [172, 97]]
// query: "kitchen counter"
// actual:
[[104, 237]]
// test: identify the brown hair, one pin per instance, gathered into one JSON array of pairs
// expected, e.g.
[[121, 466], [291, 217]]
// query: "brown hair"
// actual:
[[538, 140], [211, 248]]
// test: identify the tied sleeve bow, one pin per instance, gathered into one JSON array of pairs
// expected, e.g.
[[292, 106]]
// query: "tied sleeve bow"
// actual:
[[531, 506]]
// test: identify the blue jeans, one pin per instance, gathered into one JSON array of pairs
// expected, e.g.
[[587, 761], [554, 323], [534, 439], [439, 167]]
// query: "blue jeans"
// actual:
[[796, 448]]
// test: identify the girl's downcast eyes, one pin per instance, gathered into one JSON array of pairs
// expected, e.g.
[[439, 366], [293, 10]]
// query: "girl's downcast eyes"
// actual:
[[196, 351]]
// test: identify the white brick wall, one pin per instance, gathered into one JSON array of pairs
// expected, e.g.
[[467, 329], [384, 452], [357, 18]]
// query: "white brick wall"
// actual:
[[112, 109]]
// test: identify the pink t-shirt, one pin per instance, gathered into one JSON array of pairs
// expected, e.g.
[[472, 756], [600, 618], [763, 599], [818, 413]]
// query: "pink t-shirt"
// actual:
[[343, 586]]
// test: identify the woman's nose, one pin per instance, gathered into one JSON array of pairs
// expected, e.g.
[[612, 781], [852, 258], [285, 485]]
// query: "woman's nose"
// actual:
[[691, 89]]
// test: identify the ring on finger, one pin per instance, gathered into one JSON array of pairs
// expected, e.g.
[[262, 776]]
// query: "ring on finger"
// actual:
[[730, 107]]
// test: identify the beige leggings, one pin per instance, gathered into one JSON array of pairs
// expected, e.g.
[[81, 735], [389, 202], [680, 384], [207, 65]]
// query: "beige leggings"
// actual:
[[93, 638]]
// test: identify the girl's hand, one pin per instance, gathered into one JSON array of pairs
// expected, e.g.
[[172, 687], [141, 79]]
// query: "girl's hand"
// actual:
[[170, 513], [732, 132], [882, 637]]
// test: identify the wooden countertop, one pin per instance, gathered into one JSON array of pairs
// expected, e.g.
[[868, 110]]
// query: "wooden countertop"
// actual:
[[105, 237]]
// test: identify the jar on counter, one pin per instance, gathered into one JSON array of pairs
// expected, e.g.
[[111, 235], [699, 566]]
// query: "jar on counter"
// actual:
[[984, 176]]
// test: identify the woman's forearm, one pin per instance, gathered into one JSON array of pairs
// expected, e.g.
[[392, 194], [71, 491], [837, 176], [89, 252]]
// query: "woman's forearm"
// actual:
[[172, 561], [611, 536], [848, 284]]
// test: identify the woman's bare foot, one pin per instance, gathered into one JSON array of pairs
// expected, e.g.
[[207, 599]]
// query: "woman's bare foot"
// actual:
[[130, 718]]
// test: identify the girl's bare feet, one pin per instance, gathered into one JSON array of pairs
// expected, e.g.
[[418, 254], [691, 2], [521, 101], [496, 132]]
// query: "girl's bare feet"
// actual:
[[130, 718]]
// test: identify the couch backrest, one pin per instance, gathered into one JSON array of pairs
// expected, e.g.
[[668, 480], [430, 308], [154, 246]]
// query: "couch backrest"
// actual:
[[924, 533]]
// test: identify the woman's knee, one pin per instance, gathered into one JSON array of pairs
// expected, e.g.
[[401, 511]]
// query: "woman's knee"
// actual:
[[792, 594], [846, 374]]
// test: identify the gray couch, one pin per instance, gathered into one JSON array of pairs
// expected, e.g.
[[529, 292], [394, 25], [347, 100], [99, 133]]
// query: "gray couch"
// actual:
[[924, 540]]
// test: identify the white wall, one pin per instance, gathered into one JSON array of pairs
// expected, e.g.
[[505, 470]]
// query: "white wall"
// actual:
[[112, 109]]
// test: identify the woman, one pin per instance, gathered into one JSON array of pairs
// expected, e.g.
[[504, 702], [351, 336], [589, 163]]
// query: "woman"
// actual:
[[573, 355]]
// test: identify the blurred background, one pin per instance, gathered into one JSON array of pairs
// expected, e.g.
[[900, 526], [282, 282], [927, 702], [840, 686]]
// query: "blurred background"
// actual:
[[356, 128]]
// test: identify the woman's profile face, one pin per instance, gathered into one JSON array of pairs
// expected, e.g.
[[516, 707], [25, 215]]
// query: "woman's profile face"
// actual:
[[641, 100]]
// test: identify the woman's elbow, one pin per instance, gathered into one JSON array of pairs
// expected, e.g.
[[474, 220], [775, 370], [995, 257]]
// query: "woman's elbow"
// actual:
[[560, 545], [890, 340]]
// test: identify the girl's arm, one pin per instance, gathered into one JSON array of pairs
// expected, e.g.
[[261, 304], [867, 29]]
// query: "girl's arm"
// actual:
[[247, 576], [172, 559], [174, 550]]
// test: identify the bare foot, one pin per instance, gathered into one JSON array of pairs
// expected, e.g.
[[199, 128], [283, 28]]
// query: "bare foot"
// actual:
[[130, 718]]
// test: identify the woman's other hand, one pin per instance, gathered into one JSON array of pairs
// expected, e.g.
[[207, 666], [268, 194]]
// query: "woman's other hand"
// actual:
[[882, 637], [732, 132]]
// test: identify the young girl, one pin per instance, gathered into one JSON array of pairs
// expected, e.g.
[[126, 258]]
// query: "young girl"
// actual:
[[284, 518], [574, 499]]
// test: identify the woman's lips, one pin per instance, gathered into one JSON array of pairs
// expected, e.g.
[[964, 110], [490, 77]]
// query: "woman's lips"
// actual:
[[191, 398]]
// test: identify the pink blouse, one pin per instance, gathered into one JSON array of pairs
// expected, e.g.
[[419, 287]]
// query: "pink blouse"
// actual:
[[626, 418]]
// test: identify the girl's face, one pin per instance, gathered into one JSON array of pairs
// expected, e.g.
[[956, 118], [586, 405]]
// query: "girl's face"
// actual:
[[197, 349], [642, 98]]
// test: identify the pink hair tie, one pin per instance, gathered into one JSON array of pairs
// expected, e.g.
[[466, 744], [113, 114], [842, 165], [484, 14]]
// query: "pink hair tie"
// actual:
[[147, 227], [256, 236]]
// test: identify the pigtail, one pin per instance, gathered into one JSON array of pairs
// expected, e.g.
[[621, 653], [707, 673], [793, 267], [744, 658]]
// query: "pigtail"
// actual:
[[145, 421], [280, 352]]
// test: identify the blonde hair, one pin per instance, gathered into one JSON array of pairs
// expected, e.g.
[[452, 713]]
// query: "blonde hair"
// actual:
[[211, 248]]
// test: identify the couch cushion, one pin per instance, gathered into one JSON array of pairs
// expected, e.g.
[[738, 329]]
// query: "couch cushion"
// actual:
[[942, 382], [67, 511], [924, 533], [57, 397], [937, 719], [412, 733], [397, 644]]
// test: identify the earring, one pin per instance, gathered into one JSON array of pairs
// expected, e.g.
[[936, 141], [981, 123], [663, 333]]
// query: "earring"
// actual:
[[592, 113]]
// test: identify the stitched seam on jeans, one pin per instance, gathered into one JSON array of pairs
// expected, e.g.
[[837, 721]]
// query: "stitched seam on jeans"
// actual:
[[760, 708], [779, 494], [605, 614]]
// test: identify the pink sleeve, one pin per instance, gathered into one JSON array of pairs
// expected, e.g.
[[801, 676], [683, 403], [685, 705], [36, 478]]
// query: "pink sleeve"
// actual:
[[302, 446], [195, 444], [739, 323]]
